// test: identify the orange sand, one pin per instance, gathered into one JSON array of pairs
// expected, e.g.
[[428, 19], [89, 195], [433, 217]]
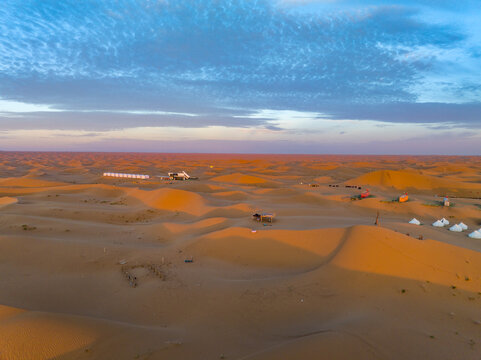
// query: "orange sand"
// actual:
[[321, 282]]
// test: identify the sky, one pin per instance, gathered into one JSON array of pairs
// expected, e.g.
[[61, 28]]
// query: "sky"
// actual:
[[234, 76]]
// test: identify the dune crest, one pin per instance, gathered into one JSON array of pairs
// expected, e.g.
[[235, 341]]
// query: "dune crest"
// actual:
[[276, 248]]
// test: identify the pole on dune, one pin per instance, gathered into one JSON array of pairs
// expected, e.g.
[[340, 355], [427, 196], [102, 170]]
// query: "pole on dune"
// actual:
[[377, 219]]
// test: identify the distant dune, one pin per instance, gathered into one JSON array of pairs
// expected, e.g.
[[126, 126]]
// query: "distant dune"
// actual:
[[242, 179], [28, 183], [4, 201], [408, 179]]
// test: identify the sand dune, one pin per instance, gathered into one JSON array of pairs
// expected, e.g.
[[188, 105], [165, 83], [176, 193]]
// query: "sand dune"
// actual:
[[273, 248], [232, 195], [324, 344], [99, 268], [324, 179], [173, 200], [405, 180], [381, 251], [277, 192], [310, 198], [4, 201], [243, 179], [32, 335], [28, 183], [40, 335], [209, 224]]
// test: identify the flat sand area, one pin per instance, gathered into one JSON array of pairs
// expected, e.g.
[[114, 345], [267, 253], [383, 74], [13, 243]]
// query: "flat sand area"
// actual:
[[104, 268]]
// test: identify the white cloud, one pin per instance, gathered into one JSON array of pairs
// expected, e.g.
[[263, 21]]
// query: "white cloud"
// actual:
[[10, 106]]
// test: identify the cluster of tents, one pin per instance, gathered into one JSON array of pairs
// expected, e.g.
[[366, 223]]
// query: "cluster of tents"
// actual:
[[456, 227]]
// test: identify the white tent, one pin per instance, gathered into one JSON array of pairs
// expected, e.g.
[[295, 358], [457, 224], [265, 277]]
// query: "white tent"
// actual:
[[415, 221], [456, 228], [463, 226], [438, 223], [475, 235], [444, 221]]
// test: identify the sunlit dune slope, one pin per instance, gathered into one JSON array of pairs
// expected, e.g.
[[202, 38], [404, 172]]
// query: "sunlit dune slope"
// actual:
[[274, 248], [406, 179], [378, 250], [362, 248], [242, 179], [33, 335], [28, 183], [173, 200], [6, 200]]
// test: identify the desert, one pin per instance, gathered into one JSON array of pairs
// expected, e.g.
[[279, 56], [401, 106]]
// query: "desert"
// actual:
[[111, 268]]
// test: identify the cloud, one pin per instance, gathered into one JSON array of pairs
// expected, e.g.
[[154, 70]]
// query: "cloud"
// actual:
[[105, 120], [459, 115], [175, 54], [119, 64]]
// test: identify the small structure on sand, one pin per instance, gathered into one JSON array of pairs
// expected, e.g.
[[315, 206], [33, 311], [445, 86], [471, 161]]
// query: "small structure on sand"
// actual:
[[456, 228], [438, 223], [415, 221], [365, 194], [403, 198], [475, 234], [446, 201], [126, 176], [180, 176], [263, 217]]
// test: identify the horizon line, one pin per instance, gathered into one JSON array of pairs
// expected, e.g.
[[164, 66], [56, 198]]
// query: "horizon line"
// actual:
[[233, 153]]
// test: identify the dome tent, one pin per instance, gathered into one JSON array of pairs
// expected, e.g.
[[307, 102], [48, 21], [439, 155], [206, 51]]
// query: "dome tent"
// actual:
[[444, 221], [456, 228], [475, 235], [463, 226], [438, 223], [415, 221]]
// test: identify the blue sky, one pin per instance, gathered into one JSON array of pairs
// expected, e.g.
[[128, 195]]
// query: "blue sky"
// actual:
[[275, 76]]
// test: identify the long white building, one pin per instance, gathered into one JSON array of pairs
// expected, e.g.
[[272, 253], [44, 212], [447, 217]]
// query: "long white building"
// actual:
[[127, 176]]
